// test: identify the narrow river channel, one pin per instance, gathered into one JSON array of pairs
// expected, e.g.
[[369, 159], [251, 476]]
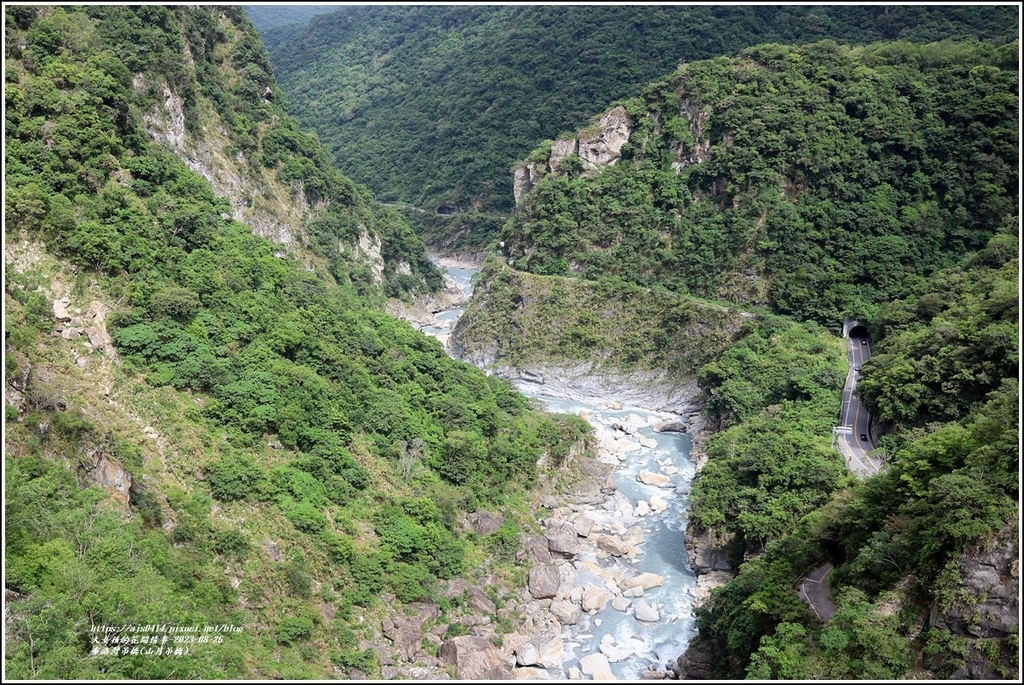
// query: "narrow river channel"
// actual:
[[630, 644]]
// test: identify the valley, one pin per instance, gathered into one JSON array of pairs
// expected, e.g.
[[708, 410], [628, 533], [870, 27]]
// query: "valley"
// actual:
[[536, 367]]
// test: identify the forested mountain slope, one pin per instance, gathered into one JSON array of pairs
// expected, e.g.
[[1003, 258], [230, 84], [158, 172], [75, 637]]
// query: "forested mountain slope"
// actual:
[[265, 17], [818, 180], [432, 105], [204, 427], [815, 182], [925, 552]]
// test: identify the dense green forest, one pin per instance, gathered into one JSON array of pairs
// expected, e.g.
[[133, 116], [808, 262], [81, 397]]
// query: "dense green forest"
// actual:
[[944, 378], [313, 453], [808, 183], [431, 105], [819, 180], [265, 17], [258, 445]]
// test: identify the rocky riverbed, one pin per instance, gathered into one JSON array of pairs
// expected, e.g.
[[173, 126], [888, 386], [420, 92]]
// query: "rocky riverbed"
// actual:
[[610, 590]]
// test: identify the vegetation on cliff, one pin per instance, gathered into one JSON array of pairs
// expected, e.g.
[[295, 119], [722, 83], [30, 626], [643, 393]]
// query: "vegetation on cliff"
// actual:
[[819, 180], [944, 379], [523, 320], [823, 181], [774, 395], [303, 453], [431, 105]]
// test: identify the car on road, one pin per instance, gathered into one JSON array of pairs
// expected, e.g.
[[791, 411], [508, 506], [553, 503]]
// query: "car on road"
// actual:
[[857, 367], [863, 342], [863, 437]]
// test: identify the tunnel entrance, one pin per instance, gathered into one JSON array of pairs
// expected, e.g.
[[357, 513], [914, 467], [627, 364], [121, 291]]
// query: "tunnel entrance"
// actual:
[[859, 331]]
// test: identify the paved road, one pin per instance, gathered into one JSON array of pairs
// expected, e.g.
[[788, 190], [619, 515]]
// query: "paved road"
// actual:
[[815, 591], [854, 419]]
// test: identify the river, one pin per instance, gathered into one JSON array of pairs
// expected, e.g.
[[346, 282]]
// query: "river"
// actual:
[[631, 645]]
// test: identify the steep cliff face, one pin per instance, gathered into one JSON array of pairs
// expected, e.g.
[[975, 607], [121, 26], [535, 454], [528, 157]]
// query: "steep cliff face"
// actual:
[[985, 611], [165, 362], [585, 337], [597, 146], [763, 178], [221, 113], [256, 197]]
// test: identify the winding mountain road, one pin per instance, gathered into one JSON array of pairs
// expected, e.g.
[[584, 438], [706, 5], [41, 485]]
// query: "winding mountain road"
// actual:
[[853, 433], [815, 591], [853, 438]]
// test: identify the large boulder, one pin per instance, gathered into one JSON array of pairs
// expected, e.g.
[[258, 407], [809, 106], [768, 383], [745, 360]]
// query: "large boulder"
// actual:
[[60, 309], [633, 536], [486, 522], [544, 649], [405, 632], [670, 425], [645, 612], [480, 602], [597, 667], [563, 541], [456, 587], [475, 658], [536, 548], [583, 526], [567, 613], [530, 673], [643, 580], [613, 545], [651, 478], [544, 581], [527, 654], [621, 603], [594, 598]]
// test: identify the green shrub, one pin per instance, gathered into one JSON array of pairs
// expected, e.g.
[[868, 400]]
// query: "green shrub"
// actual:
[[231, 543], [300, 583], [504, 542], [305, 516], [411, 582], [233, 477], [294, 629]]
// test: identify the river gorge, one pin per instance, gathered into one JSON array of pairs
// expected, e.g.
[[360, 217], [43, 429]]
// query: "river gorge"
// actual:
[[611, 593]]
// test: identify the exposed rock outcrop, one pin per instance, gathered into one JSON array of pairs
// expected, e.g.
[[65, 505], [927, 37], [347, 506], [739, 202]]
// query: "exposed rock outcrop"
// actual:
[[561, 149], [598, 146], [693, 664], [110, 476], [602, 144], [986, 610], [406, 630], [524, 180], [475, 658], [699, 150], [708, 551]]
